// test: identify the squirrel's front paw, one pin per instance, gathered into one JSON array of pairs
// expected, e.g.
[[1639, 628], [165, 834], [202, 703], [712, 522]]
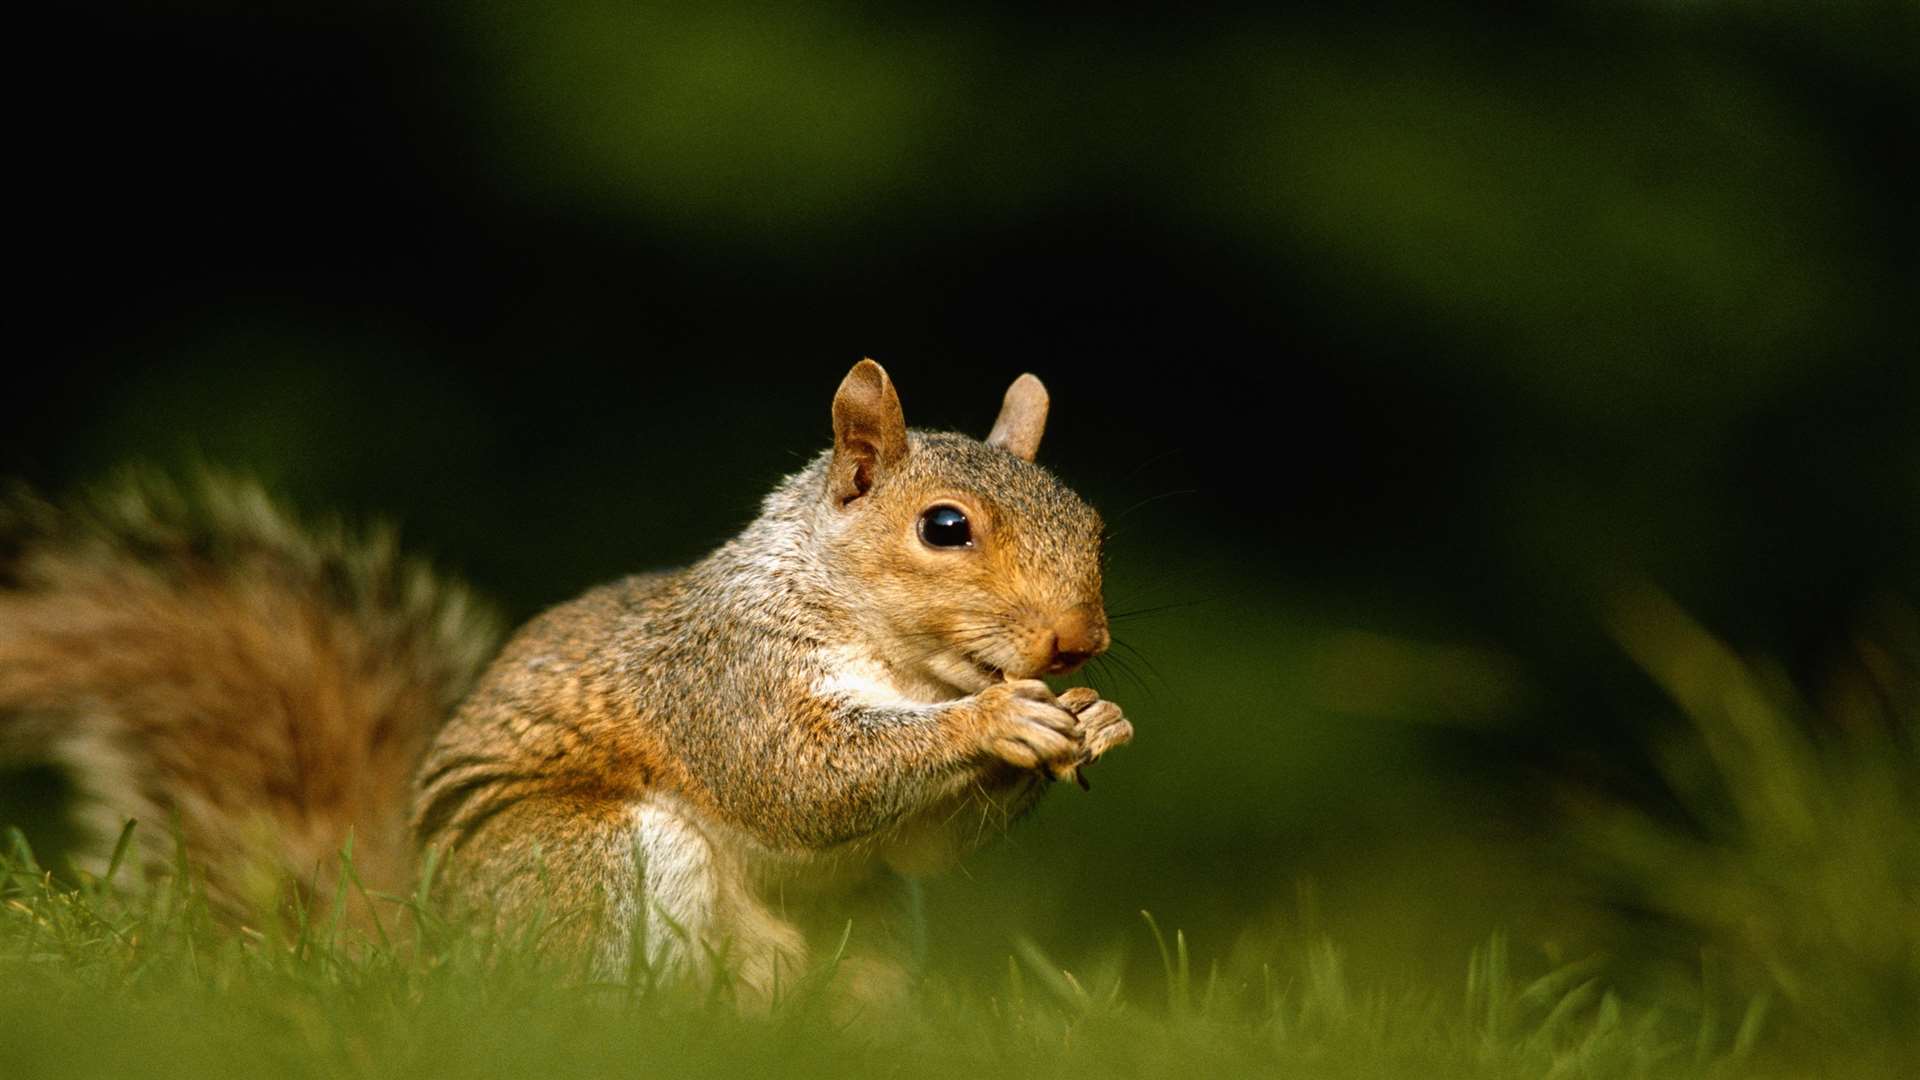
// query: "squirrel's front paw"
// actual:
[[1102, 725], [1025, 726]]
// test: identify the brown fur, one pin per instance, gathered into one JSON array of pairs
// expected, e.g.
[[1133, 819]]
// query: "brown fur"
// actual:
[[197, 652]]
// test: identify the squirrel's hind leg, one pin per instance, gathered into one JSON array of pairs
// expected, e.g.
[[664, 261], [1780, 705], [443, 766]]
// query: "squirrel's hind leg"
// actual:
[[631, 890], [672, 925], [702, 919]]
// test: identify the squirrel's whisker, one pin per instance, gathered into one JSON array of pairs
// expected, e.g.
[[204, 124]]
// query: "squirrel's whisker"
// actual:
[[1134, 652], [1149, 501], [1158, 609]]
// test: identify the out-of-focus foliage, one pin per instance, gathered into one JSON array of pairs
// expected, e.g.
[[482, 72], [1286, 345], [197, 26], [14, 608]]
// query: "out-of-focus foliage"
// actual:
[[1797, 864], [1619, 211]]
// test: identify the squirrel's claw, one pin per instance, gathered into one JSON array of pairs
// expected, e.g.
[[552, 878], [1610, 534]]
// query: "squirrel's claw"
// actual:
[[1101, 725]]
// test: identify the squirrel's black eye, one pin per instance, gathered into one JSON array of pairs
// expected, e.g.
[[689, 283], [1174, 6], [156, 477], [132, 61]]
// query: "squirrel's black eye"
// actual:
[[945, 527]]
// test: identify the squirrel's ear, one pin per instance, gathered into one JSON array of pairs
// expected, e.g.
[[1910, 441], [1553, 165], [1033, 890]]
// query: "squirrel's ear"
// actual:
[[869, 432], [1023, 418]]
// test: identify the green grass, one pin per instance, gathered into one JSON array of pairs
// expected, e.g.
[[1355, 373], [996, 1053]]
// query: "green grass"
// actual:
[[102, 983], [1769, 925]]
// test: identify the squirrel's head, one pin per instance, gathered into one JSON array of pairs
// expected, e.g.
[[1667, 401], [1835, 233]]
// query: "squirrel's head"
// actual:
[[969, 561]]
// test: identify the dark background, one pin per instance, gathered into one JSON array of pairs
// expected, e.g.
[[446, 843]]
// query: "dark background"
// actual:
[[1392, 341]]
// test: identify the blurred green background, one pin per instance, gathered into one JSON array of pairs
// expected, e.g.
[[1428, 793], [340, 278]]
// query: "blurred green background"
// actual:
[[1393, 342]]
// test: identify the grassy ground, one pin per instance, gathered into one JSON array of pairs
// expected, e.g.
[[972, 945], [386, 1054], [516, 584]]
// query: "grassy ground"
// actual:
[[1768, 924], [96, 985]]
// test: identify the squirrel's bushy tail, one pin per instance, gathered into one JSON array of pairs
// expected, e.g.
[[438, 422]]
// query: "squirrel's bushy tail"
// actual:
[[191, 653]]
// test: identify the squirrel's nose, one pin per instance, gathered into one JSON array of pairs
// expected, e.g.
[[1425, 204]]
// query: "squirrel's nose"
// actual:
[[1078, 636]]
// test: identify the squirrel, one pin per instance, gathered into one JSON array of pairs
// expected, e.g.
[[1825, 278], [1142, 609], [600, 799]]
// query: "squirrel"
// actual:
[[700, 771]]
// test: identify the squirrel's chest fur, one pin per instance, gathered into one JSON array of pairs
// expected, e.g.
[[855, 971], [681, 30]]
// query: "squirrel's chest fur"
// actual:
[[634, 697]]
